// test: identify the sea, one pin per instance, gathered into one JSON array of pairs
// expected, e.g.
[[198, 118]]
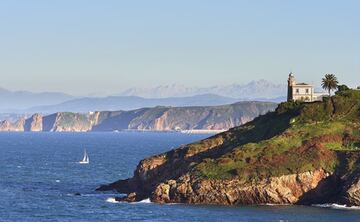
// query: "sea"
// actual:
[[40, 177]]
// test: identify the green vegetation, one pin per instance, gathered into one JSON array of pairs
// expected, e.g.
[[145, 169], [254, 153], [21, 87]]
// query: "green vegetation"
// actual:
[[297, 137], [342, 88], [341, 147]]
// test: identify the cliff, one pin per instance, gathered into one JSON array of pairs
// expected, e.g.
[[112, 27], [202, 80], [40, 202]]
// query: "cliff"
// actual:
[[154, 119], [299, 154]]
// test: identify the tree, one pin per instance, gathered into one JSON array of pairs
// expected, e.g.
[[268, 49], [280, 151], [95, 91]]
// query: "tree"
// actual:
[[342, 88], [329, 82]]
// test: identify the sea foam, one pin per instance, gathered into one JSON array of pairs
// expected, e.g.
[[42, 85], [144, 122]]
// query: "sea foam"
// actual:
[[111, 200], [145, 201], [337, 206]]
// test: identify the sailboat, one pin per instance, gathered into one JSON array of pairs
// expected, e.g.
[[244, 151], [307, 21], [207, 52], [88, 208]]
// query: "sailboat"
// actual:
[[86, 159]]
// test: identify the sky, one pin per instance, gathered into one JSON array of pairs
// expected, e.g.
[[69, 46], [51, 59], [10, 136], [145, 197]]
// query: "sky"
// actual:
[[84, 46]]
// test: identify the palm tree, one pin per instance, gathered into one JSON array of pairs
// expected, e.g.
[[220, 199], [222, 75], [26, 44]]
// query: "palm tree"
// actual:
[[329, 82]]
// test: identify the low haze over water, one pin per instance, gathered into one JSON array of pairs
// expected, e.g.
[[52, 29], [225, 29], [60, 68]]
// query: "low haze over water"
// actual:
[[40, 174]]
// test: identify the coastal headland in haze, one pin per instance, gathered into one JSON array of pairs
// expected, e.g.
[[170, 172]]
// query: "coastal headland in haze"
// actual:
[[199, 119]]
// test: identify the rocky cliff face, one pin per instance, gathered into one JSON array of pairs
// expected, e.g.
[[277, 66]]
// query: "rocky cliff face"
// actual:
[[34, 123], [299, 154], [17, 126], [286, 189], [156, 119]]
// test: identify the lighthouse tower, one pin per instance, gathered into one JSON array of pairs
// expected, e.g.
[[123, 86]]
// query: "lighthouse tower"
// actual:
[[291, 83]]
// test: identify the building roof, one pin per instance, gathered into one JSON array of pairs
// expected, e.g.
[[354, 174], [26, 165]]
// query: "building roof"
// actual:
[[303, 84]]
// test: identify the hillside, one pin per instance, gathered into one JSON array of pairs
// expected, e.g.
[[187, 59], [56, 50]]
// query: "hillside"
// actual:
[[159, 118], [298, 154]]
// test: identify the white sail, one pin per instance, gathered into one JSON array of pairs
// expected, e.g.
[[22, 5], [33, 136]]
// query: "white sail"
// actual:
[[85, 159], [85, 156]]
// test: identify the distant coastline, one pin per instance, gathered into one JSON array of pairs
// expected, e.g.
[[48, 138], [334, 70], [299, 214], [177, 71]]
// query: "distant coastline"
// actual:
[[210, 132], [193, 131], [196, 119]]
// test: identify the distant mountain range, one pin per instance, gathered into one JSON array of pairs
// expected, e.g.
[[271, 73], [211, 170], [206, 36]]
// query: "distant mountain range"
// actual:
[[112, 103], [250, 91], [171, 95], [160, 118], [18, 100]]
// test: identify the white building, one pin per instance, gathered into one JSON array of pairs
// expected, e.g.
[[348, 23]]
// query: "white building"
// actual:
[[302, 91]]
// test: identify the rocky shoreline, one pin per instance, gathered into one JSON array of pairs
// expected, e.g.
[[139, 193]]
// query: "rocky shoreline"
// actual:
[[307, 188]]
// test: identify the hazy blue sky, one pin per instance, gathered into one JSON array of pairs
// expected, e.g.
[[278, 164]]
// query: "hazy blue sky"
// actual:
[[106, 46]]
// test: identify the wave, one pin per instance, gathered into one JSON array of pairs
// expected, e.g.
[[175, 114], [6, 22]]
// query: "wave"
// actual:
[[337, 206], [113, 200], [270, 204], [145, 201], [90, 194], [97, 194]]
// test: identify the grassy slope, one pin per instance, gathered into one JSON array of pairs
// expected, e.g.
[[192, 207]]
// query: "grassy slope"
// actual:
[[296, 138]]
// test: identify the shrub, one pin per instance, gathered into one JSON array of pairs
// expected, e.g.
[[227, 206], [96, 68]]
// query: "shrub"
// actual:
[[342, 88]]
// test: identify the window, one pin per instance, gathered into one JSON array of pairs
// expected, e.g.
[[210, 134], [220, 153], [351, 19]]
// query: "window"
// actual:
[[307, 91], [297, 91]]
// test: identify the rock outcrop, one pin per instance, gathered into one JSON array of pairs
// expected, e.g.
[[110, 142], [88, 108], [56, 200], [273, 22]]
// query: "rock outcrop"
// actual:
[[299, 154], [34, 123], [286, 189], [17, 126]]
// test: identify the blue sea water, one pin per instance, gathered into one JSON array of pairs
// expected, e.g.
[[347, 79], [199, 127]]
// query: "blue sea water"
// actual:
[[39, 175]]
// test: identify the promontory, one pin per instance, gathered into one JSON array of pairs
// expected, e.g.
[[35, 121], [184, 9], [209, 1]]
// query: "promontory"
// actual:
[[302, 153]]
